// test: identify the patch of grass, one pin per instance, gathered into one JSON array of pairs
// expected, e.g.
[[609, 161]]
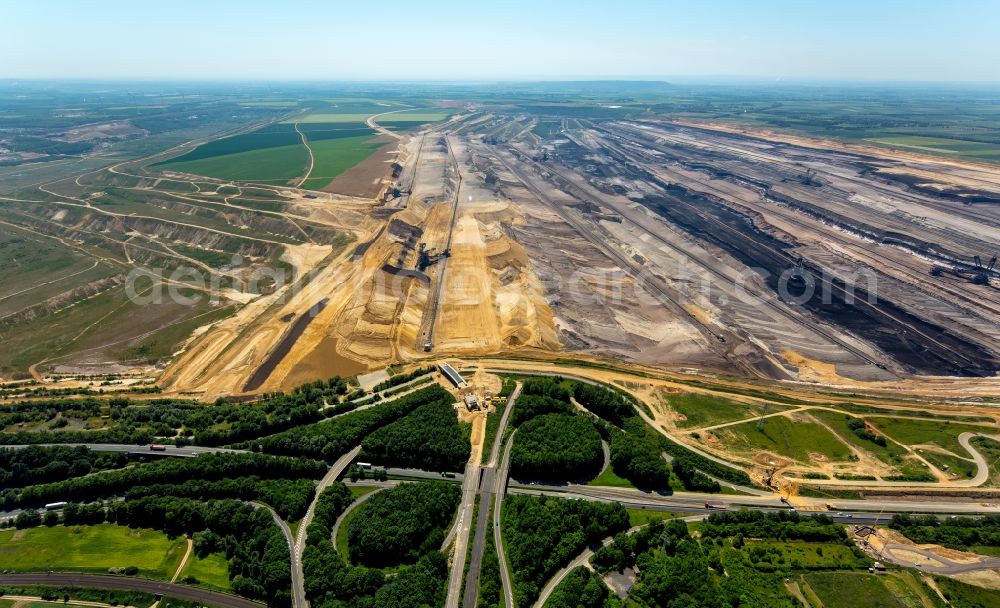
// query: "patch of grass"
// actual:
[[785, 437], [359, 491], [104, 323], [852, 589], [209, 257], [942, 146], [641, 517], [609, 478], [813, 556], [962, 595], [91, 549], [30, 260], [211, 571], [990, 450], [908, 587], [950, 465], [707, 410], [985, 550], [892, 453], [941, 433]]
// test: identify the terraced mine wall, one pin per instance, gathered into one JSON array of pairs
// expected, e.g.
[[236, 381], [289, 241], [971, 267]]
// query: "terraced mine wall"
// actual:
[[284, 346], [922, 346]]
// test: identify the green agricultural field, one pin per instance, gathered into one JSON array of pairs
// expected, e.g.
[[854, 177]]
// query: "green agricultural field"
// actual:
[[91, 549], [335, 117], [942, 146], [408, 120], [211, 571], [941, 433], [331, 157], [334, 130], [271, 136], [784, 437], [277, 165], [707, 410]]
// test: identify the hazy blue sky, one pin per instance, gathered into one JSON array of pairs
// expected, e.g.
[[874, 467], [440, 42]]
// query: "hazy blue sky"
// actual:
[[294, 39]]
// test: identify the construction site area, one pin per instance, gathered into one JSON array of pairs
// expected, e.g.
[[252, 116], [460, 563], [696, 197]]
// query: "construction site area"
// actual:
[[685, 246]]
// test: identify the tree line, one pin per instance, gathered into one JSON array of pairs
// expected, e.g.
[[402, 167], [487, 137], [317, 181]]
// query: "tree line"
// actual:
[[289, 498], [556, 447], [401, 524], [256, 550], [331, 438], [582, 588], [331, 583], [43, 464], [543, 534], [430, 438], [206, 467], [956, 533]]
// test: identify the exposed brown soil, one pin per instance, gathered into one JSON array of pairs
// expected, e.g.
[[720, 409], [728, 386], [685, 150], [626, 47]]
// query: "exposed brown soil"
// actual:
[[368, 178]]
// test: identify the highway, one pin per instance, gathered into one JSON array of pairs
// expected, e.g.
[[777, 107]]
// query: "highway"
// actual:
[[131, 583], [463, 524], [298, 581], [841, 510], [171, 450], [298, 585], [500, 490], [487, 490]]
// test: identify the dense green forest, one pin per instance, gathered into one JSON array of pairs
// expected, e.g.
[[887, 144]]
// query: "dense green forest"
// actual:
[[430, 438], [37, 464], [207, 467], [329, 439], [636, 456], [402, 524], [543, 534], [957, 533], [180, 421], [606, 403], [530, 406], [723, 568], [556, 447], [331, 583], [290, 498], [582, 588]]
